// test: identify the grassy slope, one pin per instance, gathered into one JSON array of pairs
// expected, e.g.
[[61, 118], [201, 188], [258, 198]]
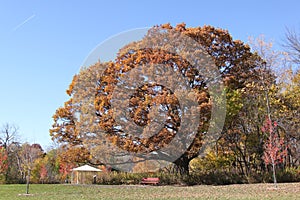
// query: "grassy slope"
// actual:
[[74, 192]]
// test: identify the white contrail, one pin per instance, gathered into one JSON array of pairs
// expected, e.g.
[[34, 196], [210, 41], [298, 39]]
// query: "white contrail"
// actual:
[[24, 22]]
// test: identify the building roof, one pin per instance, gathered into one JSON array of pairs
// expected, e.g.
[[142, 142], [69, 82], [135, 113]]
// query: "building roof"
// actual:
[[86, 168]]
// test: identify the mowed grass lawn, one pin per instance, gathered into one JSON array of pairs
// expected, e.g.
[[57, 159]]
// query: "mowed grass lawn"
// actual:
[[73, 192]]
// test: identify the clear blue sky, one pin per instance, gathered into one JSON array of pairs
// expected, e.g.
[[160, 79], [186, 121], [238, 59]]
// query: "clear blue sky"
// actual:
[[44, 43]]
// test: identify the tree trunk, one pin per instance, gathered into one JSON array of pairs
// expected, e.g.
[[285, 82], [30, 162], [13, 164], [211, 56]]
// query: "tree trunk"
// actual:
[[182, 165], [27, 182], [274, 175]]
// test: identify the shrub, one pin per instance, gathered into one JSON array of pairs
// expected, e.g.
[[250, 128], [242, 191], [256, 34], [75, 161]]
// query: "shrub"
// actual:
[[123, 178], [290, 174], [214, 178]]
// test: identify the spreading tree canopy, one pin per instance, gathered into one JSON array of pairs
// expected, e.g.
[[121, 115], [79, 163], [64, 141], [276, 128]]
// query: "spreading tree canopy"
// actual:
[[150, 96]]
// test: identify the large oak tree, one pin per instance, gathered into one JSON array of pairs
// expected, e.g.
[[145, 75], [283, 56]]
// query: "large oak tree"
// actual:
[[235, 63], [88, 120]]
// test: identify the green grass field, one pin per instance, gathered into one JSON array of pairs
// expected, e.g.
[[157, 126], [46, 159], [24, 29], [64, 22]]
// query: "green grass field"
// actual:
[[73, 192]]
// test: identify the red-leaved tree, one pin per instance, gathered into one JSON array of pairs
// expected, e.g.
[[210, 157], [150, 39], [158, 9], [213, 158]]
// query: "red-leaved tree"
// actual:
[[3, 160], [274, 148], [65, 169], [43, 172]]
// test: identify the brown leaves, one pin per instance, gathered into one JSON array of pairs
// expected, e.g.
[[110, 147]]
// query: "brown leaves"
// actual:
[[155, 111], [229, 56]]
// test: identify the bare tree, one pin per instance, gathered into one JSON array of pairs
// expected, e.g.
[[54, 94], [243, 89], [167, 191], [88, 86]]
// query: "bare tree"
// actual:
[[8, 134], [28, 155], [292, 45]]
